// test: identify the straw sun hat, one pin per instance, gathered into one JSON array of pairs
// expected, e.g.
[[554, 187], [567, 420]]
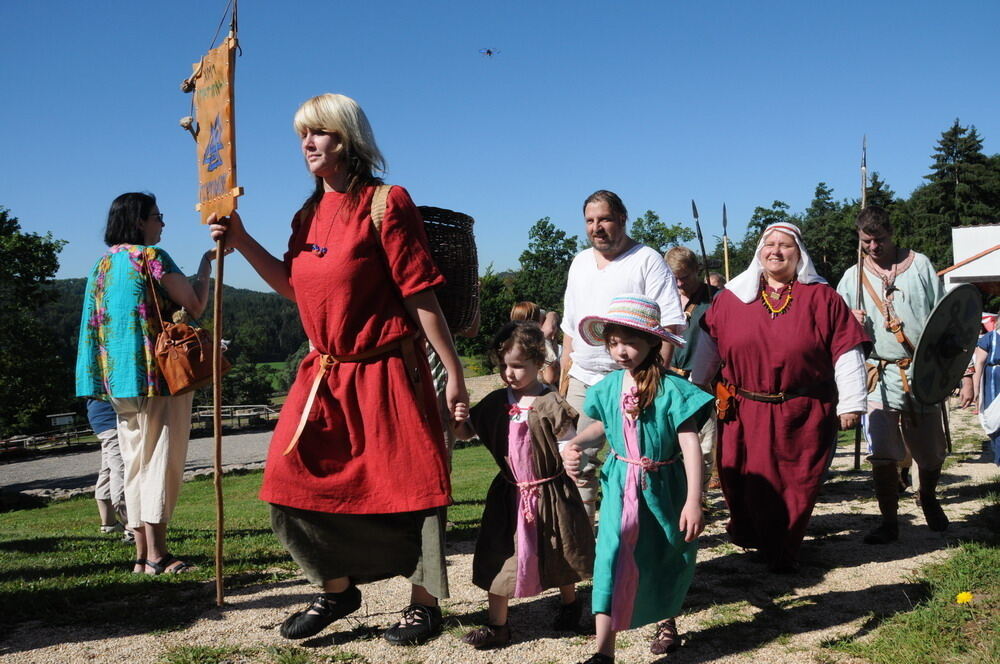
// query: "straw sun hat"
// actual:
[[631, 310]]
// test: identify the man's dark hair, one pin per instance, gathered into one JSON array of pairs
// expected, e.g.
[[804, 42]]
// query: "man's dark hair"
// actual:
[[613, 201], [874, 220]]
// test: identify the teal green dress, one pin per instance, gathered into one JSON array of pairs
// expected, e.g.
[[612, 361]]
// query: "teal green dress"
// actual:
[[118, 327], [665, 560]]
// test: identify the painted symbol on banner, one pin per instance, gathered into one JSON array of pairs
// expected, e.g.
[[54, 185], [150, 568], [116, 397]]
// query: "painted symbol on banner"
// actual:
[[213, 158]]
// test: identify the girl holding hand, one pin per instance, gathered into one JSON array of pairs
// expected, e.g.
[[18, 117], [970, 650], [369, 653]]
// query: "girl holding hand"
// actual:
[[651, 481]]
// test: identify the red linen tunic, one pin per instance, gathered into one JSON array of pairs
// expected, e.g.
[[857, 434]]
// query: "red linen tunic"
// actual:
[[773, 456], [366, 448]]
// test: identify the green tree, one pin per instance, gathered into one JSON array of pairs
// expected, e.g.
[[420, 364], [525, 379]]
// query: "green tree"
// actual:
[[245, 384], [965, 186], [650, 231], [496, 297], [829, 235], [879, 193], [545, 265], [34, 381]]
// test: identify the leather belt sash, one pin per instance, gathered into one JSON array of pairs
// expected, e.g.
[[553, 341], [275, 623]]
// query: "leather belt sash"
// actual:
[[766, 397], [408, 350]]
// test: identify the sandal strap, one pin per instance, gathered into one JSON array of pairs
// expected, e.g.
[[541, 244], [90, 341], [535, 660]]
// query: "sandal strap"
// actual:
[[161, 566], [416, 614]]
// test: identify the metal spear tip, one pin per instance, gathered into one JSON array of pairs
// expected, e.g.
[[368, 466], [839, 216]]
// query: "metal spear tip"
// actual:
[[694, 209]]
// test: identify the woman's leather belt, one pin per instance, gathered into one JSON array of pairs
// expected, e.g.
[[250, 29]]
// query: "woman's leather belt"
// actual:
[[408, 350], [767, 397]]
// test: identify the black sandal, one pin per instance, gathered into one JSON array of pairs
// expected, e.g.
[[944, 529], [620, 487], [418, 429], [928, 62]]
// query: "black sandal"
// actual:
[[139, 561], [327, 607], [163, 565]]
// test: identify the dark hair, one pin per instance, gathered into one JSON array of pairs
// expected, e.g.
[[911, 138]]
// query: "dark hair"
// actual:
[[613, 201], [874, 220], [126, 217], [650, 372], [524, 334]]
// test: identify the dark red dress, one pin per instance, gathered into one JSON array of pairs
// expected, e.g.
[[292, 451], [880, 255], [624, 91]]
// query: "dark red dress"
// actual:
[[772, 457], [367, 448]]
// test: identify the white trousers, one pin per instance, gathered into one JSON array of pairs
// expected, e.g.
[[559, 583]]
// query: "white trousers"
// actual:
[[708, 437], [153, 434], [111, 477]]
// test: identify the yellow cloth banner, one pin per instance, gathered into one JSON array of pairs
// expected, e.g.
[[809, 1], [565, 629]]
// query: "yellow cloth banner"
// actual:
[[213, 101]]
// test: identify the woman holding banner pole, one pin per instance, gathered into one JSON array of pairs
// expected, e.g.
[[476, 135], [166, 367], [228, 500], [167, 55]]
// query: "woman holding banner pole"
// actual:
[[362, 414]]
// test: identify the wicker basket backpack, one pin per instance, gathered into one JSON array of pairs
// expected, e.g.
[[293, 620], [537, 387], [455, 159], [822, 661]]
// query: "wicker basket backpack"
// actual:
[[453, 247]]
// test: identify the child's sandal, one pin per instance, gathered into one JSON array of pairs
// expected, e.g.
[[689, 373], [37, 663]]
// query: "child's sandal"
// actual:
[[665, 639], [488, 636], [598, 658]]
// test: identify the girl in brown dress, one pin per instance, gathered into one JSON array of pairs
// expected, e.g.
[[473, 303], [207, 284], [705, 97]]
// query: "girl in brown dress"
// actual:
[[535, 533]]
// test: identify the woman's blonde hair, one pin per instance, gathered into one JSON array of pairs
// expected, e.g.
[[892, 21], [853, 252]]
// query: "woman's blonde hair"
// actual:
[[526, 311], [342, 115]]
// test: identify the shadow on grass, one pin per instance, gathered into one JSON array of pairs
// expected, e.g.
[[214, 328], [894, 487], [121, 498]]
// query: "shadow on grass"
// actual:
[[776, 618]]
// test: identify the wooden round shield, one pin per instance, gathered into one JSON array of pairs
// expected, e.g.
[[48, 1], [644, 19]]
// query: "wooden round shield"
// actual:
[[946, 345]]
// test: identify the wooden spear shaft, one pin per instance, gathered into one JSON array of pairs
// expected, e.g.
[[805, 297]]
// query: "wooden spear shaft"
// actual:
[[861, 266], [217, 416]]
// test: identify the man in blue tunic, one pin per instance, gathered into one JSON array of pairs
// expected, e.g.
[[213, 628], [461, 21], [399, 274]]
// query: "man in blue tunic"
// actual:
[[899, 290]]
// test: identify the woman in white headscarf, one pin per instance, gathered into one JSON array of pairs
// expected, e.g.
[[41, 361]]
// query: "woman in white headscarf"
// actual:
[[792, 359]]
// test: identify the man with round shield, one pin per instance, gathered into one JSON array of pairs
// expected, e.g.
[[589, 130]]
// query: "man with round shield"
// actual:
[[899, 288]]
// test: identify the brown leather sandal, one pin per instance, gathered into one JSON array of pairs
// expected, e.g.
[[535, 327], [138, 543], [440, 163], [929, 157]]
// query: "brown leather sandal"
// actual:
[[665, 640]]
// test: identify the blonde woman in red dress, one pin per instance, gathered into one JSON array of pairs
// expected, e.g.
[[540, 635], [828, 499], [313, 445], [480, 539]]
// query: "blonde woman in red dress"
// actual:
[[357, 459]]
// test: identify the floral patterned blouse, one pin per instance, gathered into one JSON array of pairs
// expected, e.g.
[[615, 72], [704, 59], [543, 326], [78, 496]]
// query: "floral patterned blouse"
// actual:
[[119, 326]]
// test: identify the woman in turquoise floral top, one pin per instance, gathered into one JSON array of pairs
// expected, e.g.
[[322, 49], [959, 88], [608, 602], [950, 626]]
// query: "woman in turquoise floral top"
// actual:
[[115, 362]]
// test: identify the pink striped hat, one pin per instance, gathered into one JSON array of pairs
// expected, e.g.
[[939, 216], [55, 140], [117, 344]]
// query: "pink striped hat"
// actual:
[[631, 310]]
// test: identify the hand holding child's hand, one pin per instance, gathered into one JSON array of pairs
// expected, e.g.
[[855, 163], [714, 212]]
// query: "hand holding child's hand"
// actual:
[[571, 459], [692, 521], [460, 413]]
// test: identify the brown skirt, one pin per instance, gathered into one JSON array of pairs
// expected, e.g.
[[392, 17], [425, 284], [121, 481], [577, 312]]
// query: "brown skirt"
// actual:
[[363, 547]]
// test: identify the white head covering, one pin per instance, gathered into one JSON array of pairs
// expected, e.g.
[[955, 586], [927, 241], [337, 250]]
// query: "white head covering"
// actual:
[[746, 285]]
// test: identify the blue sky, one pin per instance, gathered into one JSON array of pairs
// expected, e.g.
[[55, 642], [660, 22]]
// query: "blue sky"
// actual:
[[735, 102]]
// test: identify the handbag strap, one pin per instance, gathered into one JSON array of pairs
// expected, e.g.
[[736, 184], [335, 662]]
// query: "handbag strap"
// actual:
[[152, 288]]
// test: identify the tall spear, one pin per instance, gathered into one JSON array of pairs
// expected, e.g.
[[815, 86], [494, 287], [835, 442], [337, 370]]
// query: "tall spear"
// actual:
[[725, 241], [861, 259], [701, 240]]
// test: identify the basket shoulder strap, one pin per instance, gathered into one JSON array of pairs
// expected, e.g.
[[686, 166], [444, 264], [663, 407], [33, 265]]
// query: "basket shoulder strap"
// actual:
[[378, 208]]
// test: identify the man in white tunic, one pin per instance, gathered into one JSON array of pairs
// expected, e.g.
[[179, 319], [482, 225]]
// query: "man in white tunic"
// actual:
[[899, 291]]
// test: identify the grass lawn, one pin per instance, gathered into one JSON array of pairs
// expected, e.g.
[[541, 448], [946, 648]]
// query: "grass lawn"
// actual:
[[57, 568], [958, 621]]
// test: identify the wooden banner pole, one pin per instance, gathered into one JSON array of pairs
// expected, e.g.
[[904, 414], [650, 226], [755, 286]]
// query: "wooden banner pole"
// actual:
[[212, 84], [220, 256]]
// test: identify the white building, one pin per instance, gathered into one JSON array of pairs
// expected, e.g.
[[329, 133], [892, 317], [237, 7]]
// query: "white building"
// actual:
[[976, 256]]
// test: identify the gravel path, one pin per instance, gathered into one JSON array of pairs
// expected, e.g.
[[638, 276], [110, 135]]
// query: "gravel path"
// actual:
[[735, 612]]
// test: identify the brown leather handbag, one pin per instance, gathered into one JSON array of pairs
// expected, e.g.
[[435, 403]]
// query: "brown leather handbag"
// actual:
[[183, 352]]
